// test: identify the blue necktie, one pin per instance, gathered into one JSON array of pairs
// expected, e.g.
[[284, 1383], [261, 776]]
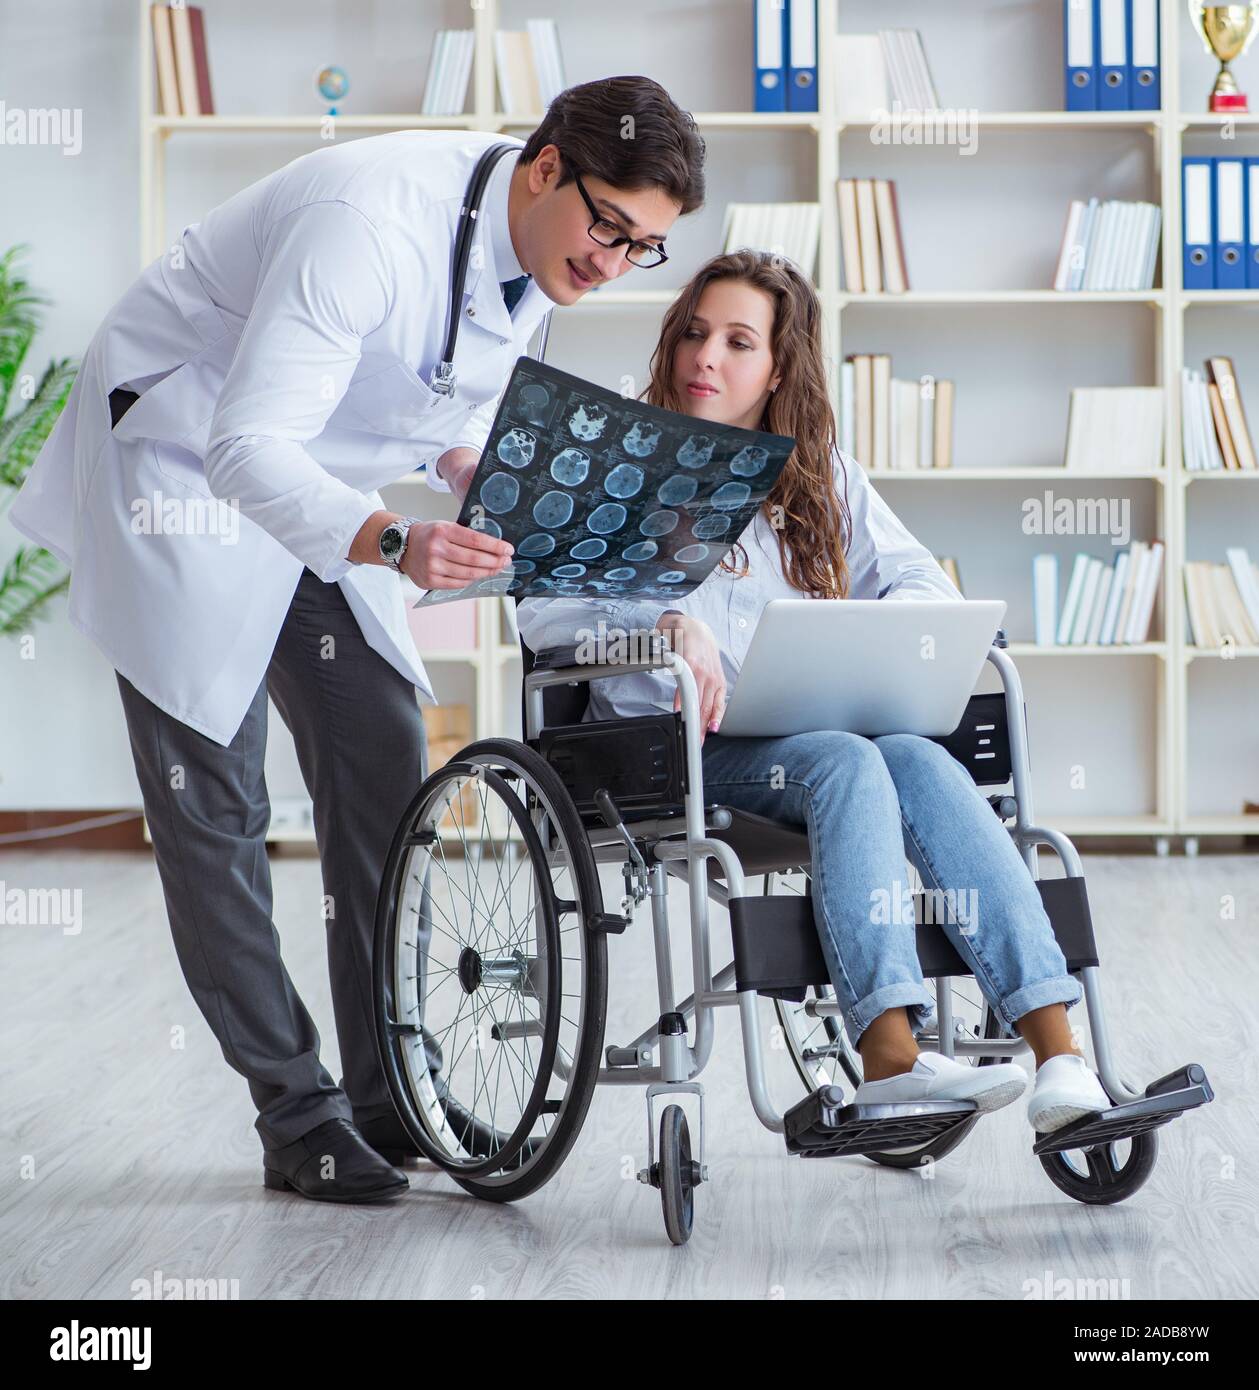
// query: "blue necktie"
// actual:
[[512, 290]]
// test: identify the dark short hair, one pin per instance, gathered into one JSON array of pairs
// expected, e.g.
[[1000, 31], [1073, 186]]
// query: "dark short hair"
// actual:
[[629, 132]]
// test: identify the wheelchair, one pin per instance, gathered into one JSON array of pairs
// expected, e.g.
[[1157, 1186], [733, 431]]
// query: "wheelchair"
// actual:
[[490, 965]]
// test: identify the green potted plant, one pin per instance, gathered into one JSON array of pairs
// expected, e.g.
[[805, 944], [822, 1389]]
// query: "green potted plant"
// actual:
[[33, 577]]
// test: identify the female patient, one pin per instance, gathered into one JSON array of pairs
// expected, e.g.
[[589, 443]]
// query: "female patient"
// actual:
[[742, 346]]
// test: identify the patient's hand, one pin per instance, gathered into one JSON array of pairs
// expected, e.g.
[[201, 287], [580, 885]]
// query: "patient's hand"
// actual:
[[694, 642]]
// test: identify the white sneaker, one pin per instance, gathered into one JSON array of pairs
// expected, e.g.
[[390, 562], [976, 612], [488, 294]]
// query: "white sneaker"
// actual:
[[936, 1077], [1066, 1089]]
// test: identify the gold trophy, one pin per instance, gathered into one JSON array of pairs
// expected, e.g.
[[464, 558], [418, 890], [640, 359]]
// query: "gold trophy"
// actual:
[[1226, 31]]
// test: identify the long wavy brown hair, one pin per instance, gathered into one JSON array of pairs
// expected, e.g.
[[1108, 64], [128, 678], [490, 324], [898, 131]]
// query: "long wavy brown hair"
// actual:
[[813, 524]]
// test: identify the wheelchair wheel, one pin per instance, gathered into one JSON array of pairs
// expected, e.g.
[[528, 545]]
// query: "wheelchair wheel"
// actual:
[[677, 1175], [1105, 1174], [490, 990], [822, 1055]]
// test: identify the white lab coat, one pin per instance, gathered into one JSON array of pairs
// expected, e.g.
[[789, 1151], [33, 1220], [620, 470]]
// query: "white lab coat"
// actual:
[[293, 330]]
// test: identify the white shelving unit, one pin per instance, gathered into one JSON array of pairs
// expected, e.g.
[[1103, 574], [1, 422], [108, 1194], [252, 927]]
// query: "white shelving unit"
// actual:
[[1140, 696]]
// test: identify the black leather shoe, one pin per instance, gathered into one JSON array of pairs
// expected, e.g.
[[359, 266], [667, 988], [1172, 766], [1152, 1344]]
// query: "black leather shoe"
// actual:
[[356, 1172], [386, 1135]]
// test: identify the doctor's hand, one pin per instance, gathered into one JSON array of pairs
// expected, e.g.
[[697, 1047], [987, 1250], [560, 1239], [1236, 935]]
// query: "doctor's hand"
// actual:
[[445, 555], [694, 642], [456, 467]]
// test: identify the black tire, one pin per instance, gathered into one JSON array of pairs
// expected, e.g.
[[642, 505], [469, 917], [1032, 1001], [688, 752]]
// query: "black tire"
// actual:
[[1105, 1181], [537, 1166], [490, 1164], [676, 1173]]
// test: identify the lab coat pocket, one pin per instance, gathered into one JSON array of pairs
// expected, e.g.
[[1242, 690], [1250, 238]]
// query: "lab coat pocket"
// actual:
[[182, 466], [394, 402]]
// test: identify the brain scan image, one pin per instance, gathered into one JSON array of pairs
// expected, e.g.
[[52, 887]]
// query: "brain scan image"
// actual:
[[587, 422], [533, 400], [708, 528], [516, 448], [607, 518], [678, 489], [624, 481], [570, 467], [749, 461], [601, 495], [641, 440], [553, 509], [537, 544], [658, 523], [499, 492], [731, 495], [697, 450]]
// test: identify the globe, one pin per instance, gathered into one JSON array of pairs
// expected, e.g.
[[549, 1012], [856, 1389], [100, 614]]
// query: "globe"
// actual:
[[333, 84]]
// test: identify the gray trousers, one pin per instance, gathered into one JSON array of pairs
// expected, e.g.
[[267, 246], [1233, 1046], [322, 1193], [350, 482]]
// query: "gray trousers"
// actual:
[[360, 743]]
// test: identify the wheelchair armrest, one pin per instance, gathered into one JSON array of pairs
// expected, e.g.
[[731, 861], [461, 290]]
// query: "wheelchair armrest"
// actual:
[[648, 652]]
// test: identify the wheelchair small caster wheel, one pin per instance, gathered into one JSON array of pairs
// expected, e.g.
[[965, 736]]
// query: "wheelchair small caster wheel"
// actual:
[[678, 1175], [1099, 1176]]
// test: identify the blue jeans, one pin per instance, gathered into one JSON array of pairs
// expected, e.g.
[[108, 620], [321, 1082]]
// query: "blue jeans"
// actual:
[[867, 804]]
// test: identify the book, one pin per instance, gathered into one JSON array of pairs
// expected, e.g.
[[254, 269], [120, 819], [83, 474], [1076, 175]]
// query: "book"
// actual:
[[861, 83], [881, 407], [1108, 245], [1244, 576], [848, 407], [895, 274], [850, 239], [1222, 432], [1220, 371], [1070, 604], [1143, 600], [865, 409], [548, 62], [517, 76], [785, 229], [1045, 598], [926, 423], [1114, 598], [1115, 428], [1088, 596], [164, 59], [942, 447], [905, 424], [868, 232], [449, 72]]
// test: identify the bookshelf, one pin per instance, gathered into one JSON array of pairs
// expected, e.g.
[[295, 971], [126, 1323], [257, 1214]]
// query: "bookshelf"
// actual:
[[1149, 723]]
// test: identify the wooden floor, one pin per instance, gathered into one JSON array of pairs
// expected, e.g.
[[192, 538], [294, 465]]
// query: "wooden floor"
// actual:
[[122, 1155]]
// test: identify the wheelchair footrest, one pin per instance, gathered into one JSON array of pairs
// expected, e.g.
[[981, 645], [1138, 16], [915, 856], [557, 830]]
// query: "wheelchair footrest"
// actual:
[[822, 1126], [1164, 1099]]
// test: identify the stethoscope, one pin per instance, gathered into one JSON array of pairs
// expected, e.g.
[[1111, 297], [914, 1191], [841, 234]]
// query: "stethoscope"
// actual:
[[442, 377]]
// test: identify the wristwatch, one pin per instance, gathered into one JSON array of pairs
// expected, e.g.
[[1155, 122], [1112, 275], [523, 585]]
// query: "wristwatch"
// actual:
[[393, 541]]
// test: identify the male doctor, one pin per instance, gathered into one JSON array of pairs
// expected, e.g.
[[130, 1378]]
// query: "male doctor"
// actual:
[[276, 361]]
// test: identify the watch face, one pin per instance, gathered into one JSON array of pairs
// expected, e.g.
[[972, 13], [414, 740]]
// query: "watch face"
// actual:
[[390, 542]]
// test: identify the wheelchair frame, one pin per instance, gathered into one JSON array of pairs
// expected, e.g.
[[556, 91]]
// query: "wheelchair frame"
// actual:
[[662, 1058], [681, 1062]]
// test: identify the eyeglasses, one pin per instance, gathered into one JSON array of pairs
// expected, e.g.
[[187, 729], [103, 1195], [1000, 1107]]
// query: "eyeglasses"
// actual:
[[641, 253]]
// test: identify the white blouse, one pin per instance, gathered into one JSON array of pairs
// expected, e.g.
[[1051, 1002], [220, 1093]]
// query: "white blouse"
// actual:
[[884, 561]]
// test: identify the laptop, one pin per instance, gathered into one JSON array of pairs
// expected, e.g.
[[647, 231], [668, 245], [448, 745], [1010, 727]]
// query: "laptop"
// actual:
[[863, 666]]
